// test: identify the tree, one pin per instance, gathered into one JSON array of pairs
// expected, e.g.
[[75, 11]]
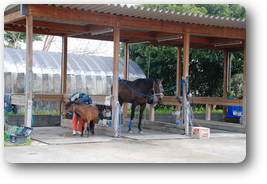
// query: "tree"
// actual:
[[225, 10], [14, 39], [48, 42], [206, 66]]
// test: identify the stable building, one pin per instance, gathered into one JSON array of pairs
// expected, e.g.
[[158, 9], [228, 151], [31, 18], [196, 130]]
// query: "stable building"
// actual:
[[130, 25]]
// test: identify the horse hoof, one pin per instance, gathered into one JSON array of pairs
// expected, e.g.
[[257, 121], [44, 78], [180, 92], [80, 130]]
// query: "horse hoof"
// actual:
[[141, 132], [130, 131]]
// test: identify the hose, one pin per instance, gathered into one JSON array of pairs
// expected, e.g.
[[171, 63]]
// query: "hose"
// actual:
[[14, 130]]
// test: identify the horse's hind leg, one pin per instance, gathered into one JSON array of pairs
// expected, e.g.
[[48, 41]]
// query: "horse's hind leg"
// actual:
[[140, 118], [88, 128], [82, 128], [92, 126]]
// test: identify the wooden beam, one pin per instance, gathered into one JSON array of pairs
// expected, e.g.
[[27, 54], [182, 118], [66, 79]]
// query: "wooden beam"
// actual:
[[186, 55], [54, 25], [64, 63], [73, 30], [48, 98], [35, 30], [186, 77], [29, 72], [88, 30], [18, 99], [126, 74], [171, 100], [13, 17], [208, 109], [116, 56], [61, 29], [152, 113], [71, 15]]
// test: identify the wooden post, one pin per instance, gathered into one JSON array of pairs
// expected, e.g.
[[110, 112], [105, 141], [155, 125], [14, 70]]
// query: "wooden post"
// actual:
[[178, 77], [64, 62], [244, 87], [126, 74], [29, 72], [225, 82], [116, 71], [208, 108], [152, 113], [185, 76]]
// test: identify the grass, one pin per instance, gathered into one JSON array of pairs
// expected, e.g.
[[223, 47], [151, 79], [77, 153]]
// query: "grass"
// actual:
[[201, 110], [27, 142], [40, 112]]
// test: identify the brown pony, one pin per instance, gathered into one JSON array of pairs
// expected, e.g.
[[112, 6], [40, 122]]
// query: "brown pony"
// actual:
[[88, 113]]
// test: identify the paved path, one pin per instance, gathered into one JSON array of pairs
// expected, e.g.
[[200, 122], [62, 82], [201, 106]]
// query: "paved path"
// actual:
[[132, 151], [224, 147]]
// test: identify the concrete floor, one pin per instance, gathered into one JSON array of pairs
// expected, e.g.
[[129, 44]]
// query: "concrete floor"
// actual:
[[59, 135], [57, 145], [133, 151]]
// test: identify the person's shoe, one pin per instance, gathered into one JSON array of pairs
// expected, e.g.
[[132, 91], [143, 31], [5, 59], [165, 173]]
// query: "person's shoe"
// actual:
[[74, 132], [79, 132]]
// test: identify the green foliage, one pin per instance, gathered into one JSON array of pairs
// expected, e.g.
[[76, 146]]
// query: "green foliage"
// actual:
[[188, 8], [40, 112], [168, 110], [236, 85], [13, 39], [222, 10], [206, 66]]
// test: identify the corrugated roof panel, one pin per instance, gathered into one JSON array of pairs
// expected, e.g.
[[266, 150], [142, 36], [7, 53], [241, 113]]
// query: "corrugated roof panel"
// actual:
[[156, 14]]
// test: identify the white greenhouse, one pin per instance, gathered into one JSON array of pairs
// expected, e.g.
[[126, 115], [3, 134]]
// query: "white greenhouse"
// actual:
[[89, 74]]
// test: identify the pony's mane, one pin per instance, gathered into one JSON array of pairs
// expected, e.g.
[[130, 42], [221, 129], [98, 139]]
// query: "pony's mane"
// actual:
[[68, 104]]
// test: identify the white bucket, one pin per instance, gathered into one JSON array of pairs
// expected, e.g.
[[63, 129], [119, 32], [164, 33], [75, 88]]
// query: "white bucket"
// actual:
[[107, 100]]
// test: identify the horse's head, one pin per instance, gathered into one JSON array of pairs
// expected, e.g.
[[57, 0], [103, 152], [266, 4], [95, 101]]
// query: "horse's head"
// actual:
[[68, 108], [159, 91]]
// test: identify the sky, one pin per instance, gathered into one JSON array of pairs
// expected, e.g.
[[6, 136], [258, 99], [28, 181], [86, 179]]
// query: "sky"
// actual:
[[78, 46]]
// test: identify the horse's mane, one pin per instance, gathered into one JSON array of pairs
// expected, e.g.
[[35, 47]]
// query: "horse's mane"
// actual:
[[68, 104], [149, 80]]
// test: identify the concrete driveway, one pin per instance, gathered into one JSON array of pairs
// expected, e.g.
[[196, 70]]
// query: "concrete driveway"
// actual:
[[222, 147]]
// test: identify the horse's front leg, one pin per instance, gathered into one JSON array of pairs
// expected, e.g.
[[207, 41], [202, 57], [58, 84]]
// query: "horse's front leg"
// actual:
[[142, 107], [132, 116]]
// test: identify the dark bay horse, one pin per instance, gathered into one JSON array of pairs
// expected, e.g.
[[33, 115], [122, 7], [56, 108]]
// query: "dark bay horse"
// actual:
[[88, 113], [139, 95]]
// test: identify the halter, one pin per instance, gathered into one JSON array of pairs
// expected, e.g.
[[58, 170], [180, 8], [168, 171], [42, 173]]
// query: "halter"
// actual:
[[159, 90], [70, 112], [77, 109]]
